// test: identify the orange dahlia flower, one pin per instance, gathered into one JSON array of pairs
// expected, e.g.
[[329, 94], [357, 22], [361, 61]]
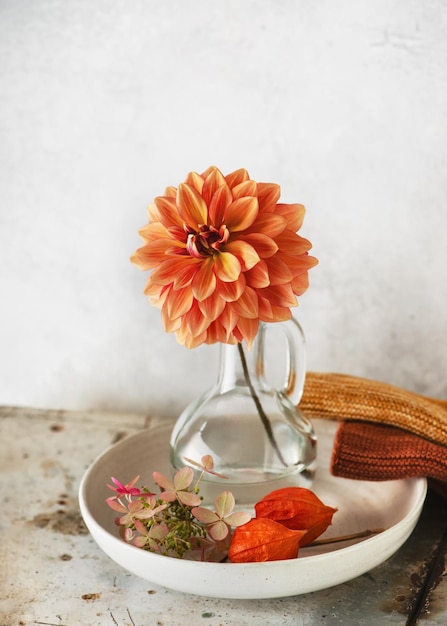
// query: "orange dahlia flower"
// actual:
[[225, 255]]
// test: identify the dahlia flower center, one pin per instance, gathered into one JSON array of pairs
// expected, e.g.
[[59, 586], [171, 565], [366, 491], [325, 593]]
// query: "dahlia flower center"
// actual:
[[206, 241]]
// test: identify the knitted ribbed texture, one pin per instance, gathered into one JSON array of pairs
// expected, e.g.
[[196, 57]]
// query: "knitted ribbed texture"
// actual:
[[367, 451], [344, 397], [385, 432]]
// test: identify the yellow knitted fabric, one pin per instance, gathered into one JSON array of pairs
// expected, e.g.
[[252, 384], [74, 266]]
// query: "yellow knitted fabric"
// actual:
[[345, 397]]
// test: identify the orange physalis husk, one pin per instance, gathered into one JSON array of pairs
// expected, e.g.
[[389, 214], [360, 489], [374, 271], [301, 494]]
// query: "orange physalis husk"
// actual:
[[298, 509], [264, 540]]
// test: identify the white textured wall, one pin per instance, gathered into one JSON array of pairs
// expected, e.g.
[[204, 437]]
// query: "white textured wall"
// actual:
[[105, 102]]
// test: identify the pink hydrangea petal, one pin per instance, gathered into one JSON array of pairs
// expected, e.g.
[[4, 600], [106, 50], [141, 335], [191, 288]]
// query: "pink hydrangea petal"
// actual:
[[116, 505], [219, 531], [183, 478], [162, 481], [127, 534], [207, 462], [238, 519], [140, 541], [140, 527], [206, 516], [168, 496], [188, 498], [224, 503], [158, 531]]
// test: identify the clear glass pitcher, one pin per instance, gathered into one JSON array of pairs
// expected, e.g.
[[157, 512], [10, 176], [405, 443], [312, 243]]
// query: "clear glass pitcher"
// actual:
[[257, 436]]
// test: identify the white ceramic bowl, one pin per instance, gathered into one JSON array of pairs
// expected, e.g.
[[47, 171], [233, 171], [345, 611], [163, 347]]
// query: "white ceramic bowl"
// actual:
[[393, 505]]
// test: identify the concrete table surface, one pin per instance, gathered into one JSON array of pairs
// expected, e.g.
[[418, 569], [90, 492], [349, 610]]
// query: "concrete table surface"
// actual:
[[53, 574]]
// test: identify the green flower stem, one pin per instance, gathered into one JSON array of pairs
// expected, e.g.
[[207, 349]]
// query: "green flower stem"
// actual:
[[264, 418]]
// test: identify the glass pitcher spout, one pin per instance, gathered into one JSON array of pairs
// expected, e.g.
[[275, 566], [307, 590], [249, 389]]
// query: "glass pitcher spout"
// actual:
[[258, 438]]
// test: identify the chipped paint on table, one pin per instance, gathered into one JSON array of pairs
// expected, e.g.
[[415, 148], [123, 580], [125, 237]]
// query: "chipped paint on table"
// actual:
[[53, 573]]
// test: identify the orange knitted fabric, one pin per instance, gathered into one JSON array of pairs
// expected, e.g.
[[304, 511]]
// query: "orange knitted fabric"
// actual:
[[385, 432], [367, 451]]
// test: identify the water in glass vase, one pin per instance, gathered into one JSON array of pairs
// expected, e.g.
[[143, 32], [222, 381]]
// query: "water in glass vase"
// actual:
[[257, 437]]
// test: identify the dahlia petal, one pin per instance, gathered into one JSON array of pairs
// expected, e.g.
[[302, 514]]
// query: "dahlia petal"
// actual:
[[170, 324], [152, 289], [182, 335], [178, 233], [150, 255], [298, 264], [279, 295], [191, 206], [157, 294], [167, 270], [248, 329], [300, 284], [237, 334], [212, 307], [216, 333], [258, 277], [212, 182], [171, 192], [247, 188], [154, 231], [227, 266], [228, 318], [156, 302], [265, 309], [177, 249], [232, 291], [241, 213], [219, 203], [247, 304], [196, 323], [292, 244], [179, 302], [195, 180], [278, 271], [311, 260], [268, 195], [185, 338], [167, 211], [269, 224], [193, 328], [204, 282], [138, 258], [237, 177], [197, 341], [281, 314], [157, 249], [185, 272], [294, 214], [247, 255], [209, 170], [264, 245], [152, 213]]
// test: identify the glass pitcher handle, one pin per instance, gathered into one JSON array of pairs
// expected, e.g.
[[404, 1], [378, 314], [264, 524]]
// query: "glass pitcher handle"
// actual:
[[296, 361]]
